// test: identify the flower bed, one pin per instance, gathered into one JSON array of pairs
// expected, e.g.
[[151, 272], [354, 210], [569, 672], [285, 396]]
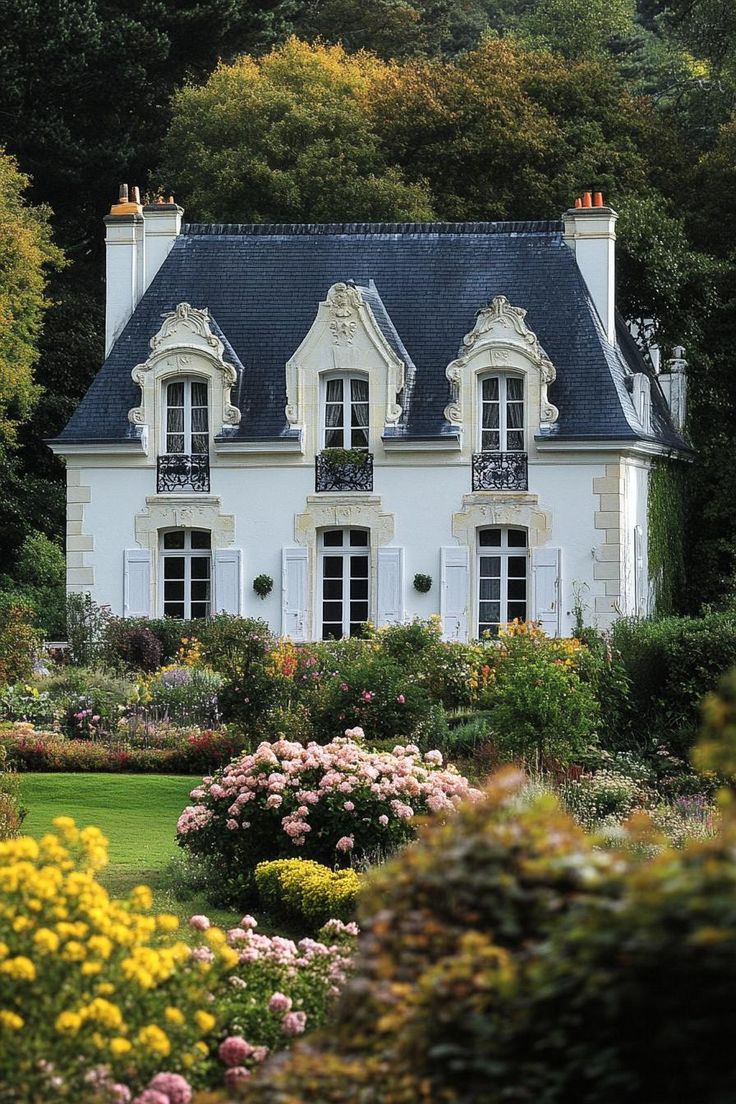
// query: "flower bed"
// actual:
[[109, 1001], [337, 802], [307, 892]]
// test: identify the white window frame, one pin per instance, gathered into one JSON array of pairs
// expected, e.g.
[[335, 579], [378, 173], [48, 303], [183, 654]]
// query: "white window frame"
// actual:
[[503, 400], [188, 554], [187, 430], [347, 409], [504, 552], [348, 553]]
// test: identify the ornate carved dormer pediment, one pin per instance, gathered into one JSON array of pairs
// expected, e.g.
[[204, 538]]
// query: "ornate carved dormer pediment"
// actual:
[[500, 339], [186, 345]]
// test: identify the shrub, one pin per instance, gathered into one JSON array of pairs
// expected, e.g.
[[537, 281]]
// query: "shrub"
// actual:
[[138, 647], [333, 802], [606, 794], [19, 641], [540, 709], [87, 981], [307, 892], [86, 623], [508, 959], [86, 701], [38, 581], [11, 813], [238, 647], [372, 691], [182, 693], [670, 664], [24, 701]]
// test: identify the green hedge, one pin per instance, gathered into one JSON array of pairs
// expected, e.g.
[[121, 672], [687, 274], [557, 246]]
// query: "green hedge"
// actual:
[[307, 891], [671, 664]]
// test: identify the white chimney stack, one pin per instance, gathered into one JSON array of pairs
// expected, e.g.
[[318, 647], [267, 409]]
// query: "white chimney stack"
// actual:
[[590, 231], [138, 240], [673, 381]]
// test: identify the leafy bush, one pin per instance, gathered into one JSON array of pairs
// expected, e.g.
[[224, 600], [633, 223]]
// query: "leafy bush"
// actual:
[[19, 641], [137, 646], [508, 959], [23, 701], [182, 693], [333, 802], [540, 709], [86, 624], [238, 647], [86, 701], [307, 892], [670, 664], [593, 799], [39, 581], [11, 813]]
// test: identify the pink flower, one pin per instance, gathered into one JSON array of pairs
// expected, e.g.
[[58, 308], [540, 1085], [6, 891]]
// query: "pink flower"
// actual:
[[345, 843], [235, 1076], [273, 801], [434, 757], [383, 820], [344, 686], [231, 825], [356, 733], [294, 1023], [260, 1054], [279, 1002], [248, 922], [234, 1050], [199, 923], [400, 699], [368, 695], [173, 1086], [120, 1094], [348, 807], [151, 1096]]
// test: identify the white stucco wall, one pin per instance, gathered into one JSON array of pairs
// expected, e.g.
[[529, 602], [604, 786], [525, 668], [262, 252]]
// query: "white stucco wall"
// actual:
[[420, 496]]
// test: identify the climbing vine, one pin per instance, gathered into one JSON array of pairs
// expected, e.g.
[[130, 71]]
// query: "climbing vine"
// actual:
[[666, 521]]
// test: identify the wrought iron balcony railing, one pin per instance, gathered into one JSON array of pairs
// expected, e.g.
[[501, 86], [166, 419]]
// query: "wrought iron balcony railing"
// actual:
[[344, 473], [500, 471], [179, 471]]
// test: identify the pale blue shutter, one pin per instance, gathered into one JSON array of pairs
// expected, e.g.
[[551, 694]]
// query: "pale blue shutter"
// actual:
[[547, 588], [137, 583], [454, 592], [390, 586], [228, 593], [294, 594]]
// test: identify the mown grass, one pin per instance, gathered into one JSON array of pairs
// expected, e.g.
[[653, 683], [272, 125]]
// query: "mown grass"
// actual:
[[137, 813]]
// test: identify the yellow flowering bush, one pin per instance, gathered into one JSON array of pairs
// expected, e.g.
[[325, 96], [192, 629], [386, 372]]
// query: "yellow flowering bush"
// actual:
[[308, 891], [89, 983]]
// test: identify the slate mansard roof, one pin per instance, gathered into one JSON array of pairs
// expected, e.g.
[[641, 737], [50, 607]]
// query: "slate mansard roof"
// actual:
[[424, 282]]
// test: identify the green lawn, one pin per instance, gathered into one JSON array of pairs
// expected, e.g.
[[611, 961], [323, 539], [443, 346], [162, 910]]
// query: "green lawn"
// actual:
[[137, 813]]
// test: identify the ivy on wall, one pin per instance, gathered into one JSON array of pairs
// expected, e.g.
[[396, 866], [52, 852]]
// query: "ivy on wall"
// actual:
[[666, 522]]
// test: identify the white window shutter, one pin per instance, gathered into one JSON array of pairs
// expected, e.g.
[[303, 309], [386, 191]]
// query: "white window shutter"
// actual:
[[640, 582], [547, 588], [137, 583], [454, 592], [294, 593], [228, 593], [390, 586]]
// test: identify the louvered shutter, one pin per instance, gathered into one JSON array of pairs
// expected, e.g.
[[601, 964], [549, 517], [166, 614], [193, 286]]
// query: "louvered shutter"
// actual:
[[228, 592], [294, 593], [390, 586], [137, 583], [547, 588], [454, 587]]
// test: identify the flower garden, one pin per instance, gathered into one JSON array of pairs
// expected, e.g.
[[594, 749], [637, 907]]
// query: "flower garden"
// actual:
[[401, 920]]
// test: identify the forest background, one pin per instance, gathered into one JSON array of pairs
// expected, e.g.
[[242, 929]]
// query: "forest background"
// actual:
[[332, 110]]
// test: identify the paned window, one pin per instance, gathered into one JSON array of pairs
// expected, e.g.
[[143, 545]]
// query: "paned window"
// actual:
[[187, 417], [502, 578], [502, 414], [344, 581], [346, 412], [187, 573]]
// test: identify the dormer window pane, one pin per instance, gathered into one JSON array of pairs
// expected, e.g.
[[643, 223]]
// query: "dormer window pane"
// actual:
[[175, 417], [502, 414], [346, 412], [187, 417], [491, 415]]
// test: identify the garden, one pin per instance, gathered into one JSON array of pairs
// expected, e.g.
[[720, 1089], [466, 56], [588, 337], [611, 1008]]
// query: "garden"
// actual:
[[391, 868]]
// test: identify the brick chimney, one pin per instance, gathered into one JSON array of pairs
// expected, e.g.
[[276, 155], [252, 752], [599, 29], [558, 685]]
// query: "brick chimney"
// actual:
[[590, 231], [138, 240]]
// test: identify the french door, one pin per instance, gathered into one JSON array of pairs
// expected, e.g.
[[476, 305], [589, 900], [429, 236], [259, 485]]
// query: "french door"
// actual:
[[344, 582]]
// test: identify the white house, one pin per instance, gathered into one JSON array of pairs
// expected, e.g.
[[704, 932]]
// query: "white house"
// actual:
[[500, 420]]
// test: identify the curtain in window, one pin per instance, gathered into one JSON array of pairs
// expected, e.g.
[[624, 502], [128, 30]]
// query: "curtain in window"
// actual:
[[200, 421], [175, 417], [359, 413]]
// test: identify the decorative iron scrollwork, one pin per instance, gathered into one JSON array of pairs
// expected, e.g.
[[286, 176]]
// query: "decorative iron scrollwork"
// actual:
[[178, 471], [500, 471], [340, 475]]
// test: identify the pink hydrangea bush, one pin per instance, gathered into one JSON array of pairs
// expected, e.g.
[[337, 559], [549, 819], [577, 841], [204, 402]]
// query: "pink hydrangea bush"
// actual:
[[337, 802]]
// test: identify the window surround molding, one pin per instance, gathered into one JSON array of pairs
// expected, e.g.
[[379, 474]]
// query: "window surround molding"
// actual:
[[341, 512], [500, 343], [187, 511], [343, 339], [185, 346]]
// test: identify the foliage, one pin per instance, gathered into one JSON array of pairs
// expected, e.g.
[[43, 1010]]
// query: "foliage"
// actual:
[[181, 692], [11, 813], [86, 981], [540, 709], [39, 582], [288, 138], [333, 803], [489, 946], [666, 524], [263, 585], [307, 892], [422, 583], [238, 648], [669, 664], [85, 627], [593, 799], [19, 641], [136, 645]]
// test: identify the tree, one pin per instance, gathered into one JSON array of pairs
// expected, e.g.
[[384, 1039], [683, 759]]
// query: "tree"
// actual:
[[286, 138]]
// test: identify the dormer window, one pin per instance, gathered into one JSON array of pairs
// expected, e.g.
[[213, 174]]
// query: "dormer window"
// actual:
[[502, 414], [187, 417], [642, 396], [346, 412], [184, 464]]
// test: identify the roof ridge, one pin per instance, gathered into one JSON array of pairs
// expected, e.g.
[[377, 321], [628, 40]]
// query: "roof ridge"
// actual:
[[307, 229]]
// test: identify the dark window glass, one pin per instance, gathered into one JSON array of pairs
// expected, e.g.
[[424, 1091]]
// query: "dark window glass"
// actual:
[[175, 539], [490, 538], [517, 538], [358, 538], [332, 538]]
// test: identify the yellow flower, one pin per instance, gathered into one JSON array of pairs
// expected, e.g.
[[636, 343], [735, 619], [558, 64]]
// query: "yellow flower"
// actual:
[[141, 897], [89, 969], [73, 951], [205, 1021], [229, 957], [167, 922], [120, 1046], [104, 1012], [105, 988], [100, 945], [153, 1038], [68, 1023], [215, 937], [20, 968], [46, 940], [202, 1048], [174, 1016], [11, 1021]]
